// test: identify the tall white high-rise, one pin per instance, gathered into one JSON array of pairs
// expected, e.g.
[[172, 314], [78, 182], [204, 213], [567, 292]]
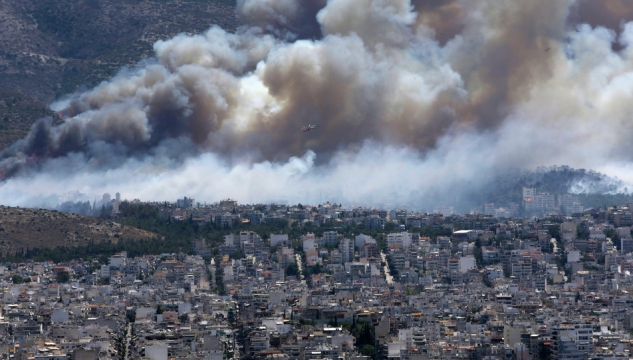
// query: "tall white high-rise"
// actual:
[[346, 248]]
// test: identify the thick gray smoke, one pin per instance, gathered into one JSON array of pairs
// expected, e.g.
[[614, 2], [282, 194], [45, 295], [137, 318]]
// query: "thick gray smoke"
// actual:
[[412, 98], [289, 19]]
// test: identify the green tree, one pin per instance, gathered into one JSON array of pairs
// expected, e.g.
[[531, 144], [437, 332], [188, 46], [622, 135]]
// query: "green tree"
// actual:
[[219, 281], [292, 269], [364, 334], [94, 266], [486, 280], [582, 230], [615, 238], [411, 291], [306, 322], [130, 315], [63, 277], [368, 350], [478, 254], [554, 231], [390, 226]]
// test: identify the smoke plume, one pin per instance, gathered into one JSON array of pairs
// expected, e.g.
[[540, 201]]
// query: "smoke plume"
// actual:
[[412, 98]]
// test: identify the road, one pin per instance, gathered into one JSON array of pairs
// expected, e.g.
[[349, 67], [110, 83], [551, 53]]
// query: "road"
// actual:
[[555, 252], [388, 276], [553, 241], [300, 266], [128, 336], [211, 268]]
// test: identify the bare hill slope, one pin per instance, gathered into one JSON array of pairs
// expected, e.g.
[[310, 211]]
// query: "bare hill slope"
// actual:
[[22, 229]]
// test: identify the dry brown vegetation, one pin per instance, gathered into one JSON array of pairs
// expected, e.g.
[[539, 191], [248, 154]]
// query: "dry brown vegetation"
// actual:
[[22, 229]]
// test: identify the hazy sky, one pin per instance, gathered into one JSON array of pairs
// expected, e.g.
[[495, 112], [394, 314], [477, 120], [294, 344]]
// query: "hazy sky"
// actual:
[[411, 98]]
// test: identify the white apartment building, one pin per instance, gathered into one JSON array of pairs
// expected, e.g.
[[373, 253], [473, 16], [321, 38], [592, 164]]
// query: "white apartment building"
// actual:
[[104, 272], [402, 239], [346, 248], [330, 238], [626, 245], [572, 341]]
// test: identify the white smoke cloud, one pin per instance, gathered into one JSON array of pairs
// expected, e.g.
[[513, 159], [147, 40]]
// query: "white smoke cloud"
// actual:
[[216, 48], [353, 177]]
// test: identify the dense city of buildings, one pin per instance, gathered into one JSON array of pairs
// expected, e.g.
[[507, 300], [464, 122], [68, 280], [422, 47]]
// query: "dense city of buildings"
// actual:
[[355, 284]]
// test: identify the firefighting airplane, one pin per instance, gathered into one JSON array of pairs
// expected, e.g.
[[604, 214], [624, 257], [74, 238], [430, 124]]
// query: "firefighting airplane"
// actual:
[[310, 127]]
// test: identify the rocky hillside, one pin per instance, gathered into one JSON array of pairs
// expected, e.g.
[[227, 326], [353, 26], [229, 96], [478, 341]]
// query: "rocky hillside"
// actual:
[[17, 113], [22, 229], [49, 48]]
